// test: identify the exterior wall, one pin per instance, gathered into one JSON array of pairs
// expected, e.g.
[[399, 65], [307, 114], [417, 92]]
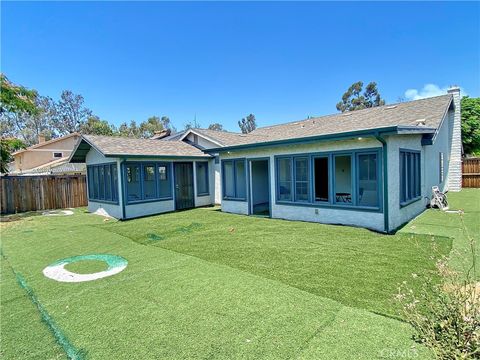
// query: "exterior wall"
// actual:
[[398, 215], [149, 208], [218, 183], [115, 210], [455, 164], [369, 219], [442, 144], [43, 154], [430, 170], [152, 207], [206, 144], [235, 207], [210, 198]]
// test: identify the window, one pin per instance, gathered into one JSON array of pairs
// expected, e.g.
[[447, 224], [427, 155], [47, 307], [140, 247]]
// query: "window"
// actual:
[[284, 179], [301, 179], [102, 183], [409, 176], [320, 165], [367, 189], [134, 190], [440, 168], [95, 183], [293, 176], [149, 183], [343, 179], [108, 181], [164, 184], [331, 179], [240, 180], [202, 178], [57, 155], [234, 179]]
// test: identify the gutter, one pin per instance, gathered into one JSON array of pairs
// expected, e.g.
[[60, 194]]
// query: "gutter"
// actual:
[[379, 137]]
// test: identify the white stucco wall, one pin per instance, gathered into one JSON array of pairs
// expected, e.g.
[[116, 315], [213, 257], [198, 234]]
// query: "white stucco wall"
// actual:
[[149, 208], [209, 199], [206, 144], [432, 153], [397, 214]]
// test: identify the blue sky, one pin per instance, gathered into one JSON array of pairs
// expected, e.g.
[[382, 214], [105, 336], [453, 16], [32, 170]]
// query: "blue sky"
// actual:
[[219, 61]]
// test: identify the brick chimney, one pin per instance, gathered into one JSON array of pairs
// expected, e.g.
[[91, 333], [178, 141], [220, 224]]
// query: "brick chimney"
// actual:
[[41, 139], [455, 164]]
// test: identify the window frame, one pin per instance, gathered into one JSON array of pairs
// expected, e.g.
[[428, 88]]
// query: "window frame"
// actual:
[[142, 165], [235, 187], [332, 203], [378, 176], [410, 181], [207, 178], [92, 171]]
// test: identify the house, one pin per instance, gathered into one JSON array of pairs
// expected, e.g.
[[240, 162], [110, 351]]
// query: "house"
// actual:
[[372, 168], [47, 157]]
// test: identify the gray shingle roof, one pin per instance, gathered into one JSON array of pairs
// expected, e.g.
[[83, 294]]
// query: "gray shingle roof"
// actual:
[[430, 110], [112, 145], [226, 138]]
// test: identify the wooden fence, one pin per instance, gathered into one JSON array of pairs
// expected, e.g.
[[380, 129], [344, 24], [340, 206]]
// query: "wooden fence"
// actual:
[[471, 173], [29, 193]]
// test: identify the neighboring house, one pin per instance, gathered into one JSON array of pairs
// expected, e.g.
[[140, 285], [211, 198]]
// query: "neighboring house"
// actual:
[[47, 157], [372, 168]]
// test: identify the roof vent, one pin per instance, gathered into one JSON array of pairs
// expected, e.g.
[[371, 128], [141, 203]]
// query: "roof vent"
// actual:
[[390, 107], [420, 122], [347, 114]]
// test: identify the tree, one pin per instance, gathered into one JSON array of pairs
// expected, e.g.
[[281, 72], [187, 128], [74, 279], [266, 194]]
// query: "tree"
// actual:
[[471, 125], [95, 126], [7, 147], [71, 113], [16, 98], [353, 99], [216, 126], [248, 124], [131, 130], [149, 127], [29, 126]]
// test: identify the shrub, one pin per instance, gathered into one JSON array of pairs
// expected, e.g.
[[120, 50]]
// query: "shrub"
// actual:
[[445, 312]]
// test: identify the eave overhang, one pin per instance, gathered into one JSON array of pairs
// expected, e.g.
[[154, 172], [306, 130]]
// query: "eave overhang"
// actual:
[[389, 130]]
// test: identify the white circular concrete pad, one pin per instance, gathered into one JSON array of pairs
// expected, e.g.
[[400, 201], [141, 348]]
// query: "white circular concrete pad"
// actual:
[[57, 271], [57, 213]]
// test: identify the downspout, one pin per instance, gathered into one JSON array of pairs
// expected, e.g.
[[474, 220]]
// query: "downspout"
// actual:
[[385, 181], [122, 182]]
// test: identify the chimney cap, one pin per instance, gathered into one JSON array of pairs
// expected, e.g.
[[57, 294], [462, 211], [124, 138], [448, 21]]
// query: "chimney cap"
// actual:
[[453, 89]]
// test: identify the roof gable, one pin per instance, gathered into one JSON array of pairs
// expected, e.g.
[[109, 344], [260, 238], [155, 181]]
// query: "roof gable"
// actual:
[[111, 146]]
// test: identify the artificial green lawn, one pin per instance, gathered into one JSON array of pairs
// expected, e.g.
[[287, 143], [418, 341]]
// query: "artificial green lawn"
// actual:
[[202, 283], [461, 227]]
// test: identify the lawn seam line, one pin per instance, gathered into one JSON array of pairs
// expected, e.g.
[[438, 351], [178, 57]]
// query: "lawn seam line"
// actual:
[[70, 350]]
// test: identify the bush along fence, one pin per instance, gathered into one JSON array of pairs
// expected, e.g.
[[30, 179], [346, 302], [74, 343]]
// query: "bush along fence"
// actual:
[[471, 173], [42, 192]]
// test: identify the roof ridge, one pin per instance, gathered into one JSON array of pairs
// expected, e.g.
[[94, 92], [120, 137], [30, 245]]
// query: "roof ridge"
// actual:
[[353, 111]]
